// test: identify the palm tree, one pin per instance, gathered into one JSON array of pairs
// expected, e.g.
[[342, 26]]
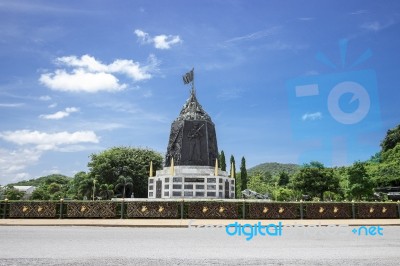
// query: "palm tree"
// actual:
[[86, 187], [124, 183], [106, 191]]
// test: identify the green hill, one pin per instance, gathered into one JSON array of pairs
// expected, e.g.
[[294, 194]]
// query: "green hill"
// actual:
[[274, 168], [55, 178]]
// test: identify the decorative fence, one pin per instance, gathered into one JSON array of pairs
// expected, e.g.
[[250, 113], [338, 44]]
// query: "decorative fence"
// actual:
[[198, 209]]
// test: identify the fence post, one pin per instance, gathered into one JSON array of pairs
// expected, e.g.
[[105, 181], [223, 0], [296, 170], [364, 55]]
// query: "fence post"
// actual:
[[122, 209], [301, 210], [182, 205], [5, 208], [61, 208], [244, 209], [353, 209], [398, 207]]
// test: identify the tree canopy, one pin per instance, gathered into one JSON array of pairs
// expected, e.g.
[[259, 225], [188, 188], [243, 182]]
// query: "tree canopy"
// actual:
[[107, 166], [314, 179], [391, 139]]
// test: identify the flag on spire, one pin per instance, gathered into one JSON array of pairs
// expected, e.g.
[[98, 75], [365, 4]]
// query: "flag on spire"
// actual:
[[188, 77]]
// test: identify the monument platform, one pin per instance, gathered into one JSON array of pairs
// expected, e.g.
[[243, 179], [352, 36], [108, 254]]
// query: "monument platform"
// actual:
[[191, 182]]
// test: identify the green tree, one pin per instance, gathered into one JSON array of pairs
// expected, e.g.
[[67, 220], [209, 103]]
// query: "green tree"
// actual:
[[110, 164], [2, 191], [106, 191], [389, 170], [360, 183], [54, 188], [391, 139], [222, 161], [286, 194], [124, 183], [283, 179], [87, 188], [233, 170], [40, 193], [13, 194], [314, 179], [257, 184], [243, 174], [74, 184]]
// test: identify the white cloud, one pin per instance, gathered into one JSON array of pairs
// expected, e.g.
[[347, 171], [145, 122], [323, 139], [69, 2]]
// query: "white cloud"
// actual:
[[90, 75], [11, 105], [306, 18], [13, 162], [53, 105], [255, 35], [359, 12], [45, 98], [372, 26], [60, 114], [162, 41], [48, 141], [21, 176], [378, 26], [80, 80], [311, 116], [165, 42]]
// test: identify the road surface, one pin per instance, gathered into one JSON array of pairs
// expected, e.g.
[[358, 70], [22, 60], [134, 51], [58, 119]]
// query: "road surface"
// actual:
[[70, 245]]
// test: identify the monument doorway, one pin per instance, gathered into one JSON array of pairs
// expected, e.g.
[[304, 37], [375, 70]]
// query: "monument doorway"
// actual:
[[226, 189], [158, 188]]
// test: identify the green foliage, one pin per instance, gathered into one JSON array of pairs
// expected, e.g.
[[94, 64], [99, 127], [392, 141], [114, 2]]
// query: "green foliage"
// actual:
[[275, 168], [87, 188], [360, 183], [40, 193], [389, 170], [286, 194], [376, 158], [222, 161], [110, 164], [106, 191], [73, 191], [257, 184], [331, 196], [125, 185], [238, 193], [243, 174], [45, 180], [314, 179], [238, 190], [391, 139], [283, 179], [13, 194]]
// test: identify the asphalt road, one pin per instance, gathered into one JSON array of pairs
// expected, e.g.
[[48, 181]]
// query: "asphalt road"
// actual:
[[63, 245]]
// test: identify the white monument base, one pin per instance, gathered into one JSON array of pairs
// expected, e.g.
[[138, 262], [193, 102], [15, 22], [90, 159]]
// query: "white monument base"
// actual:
[[191, 182]]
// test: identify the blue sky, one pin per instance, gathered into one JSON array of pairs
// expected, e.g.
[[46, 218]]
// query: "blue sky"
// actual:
[[78, 77]]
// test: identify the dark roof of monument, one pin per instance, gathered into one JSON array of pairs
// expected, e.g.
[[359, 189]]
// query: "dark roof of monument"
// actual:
[[192, 110]]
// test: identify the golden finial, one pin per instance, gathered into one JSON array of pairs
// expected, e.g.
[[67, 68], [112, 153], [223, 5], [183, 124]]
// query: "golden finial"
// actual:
[[216, 168], [151, 169]]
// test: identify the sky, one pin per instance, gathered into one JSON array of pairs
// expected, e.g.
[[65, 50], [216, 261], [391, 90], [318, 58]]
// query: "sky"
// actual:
[[283, 81]]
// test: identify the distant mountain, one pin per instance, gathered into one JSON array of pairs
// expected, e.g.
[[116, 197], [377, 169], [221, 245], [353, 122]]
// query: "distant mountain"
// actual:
[[55, 178], [274, 168]]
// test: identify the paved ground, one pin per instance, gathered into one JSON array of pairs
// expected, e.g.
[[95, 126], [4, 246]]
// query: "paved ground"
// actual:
[[184, 222], [96, 245]]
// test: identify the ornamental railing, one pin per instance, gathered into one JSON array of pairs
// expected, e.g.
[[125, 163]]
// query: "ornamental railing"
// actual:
[[197, 209]]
